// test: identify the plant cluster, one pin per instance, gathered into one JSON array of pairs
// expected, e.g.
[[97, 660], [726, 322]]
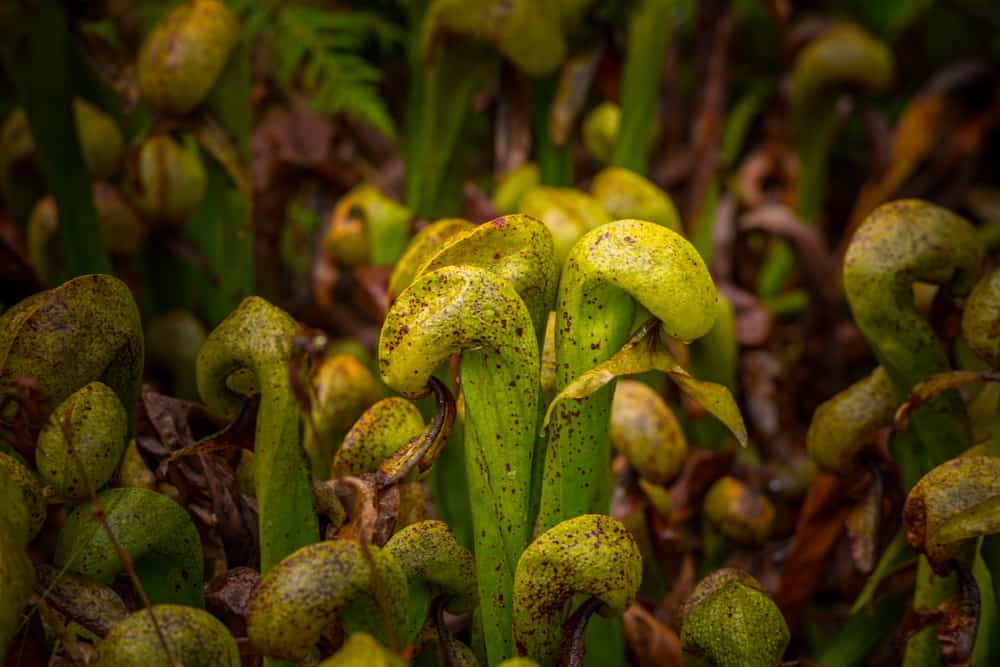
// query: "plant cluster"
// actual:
[[551, 432]]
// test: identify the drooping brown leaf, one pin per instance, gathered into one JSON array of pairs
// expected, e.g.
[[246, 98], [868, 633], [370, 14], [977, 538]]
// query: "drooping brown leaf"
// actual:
[[574, 649], [819, 526], [915, 135], [770, 160], [214, 139], [286, 146], [372, 512], [753, 320], [669, 609], [760, 374], [863, 524], [715, 23], [959, 620], [295, 138], [723, 239], [814, 257], [701, 468], [477, 205], [512, 138], [649, 642], [373, 282]]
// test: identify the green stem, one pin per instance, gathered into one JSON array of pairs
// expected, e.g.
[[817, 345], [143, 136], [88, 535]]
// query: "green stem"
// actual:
[[862, 632], [413, 139], [469, 309], [449, 485], [842, 55], [815, 144], [555, 163], [990, 553], [608, 271], [38, 61], [499, 436], [444, 89], [986, 651], [923, 649], [519, 249], [222, 228], [648, 37], [898, 244], [257, 338]]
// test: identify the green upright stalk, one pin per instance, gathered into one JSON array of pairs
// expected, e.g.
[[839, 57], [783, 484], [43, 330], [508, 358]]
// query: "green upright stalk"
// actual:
[[469, 309], [223, 227], [442, 88], [519, 249], [648, 37], [447, 477], [492, 428], [814, 147], [37, 55], [862, 632], [257, 338], [898, 244], [413, 129], [608, 271], [555, 163], [843, 55]]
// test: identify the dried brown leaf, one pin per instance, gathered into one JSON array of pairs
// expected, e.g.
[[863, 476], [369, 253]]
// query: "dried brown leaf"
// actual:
[[819, 526], [650, 642], [814, 257], [228, 596], [863, 524], [90, 604], [372, 512], [753, 320], [701, 469], [201, 470]]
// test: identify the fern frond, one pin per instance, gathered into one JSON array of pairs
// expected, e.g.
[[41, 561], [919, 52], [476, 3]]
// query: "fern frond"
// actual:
[[318, 51]]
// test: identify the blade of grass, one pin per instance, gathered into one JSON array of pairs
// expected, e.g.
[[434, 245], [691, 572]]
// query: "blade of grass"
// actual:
[[37, 57]]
